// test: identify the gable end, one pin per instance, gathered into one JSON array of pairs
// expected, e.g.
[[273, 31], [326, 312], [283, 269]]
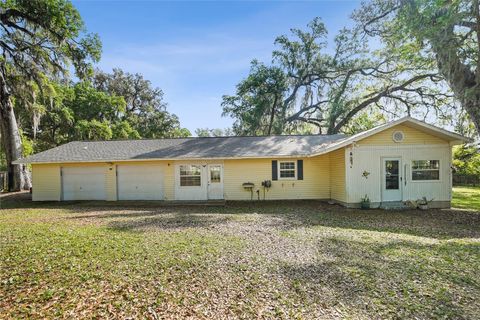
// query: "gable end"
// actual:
[[411, 136]]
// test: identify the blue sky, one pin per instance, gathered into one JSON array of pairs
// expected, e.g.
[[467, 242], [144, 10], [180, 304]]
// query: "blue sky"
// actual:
[[197, 51]]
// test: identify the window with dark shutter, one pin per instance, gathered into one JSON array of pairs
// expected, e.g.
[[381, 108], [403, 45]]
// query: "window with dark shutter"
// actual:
[[300, 169], [274, 170]]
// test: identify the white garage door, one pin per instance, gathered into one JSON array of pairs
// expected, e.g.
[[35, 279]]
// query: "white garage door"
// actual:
[[83, 183], [140, 182]]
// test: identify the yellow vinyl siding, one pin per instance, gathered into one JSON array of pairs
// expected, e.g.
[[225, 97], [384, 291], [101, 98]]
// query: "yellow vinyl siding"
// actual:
[[337, 175], [325, 176], [169, 181], [46, 182], [315, 183], [412, 136], [111, 183]]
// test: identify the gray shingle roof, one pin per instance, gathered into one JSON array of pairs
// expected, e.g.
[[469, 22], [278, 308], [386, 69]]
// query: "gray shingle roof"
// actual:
[[186, 148]]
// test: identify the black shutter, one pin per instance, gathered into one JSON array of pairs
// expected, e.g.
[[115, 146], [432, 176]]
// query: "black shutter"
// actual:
[[299, 169], [274, 170]]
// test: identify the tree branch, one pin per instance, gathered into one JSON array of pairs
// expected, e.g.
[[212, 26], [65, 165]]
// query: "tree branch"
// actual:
[[375, 98]]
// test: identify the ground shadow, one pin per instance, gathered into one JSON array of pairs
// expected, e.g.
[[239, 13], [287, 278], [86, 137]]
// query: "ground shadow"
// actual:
[[359, 275], [171, 221], [127, 215]]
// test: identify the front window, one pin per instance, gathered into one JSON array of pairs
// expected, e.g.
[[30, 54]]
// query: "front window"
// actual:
[[287, 170], [190, 176], [425, 170]]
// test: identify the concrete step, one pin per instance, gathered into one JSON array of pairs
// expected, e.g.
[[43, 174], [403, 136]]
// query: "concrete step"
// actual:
[[394, 205]]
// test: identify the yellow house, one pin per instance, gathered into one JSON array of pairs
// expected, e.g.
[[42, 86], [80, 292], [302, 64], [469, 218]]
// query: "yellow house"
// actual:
[[403, 160]]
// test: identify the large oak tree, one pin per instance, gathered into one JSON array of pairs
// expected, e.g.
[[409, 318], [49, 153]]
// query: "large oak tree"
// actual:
[[38, 38], [446, 32], [145, 111], [312, 84]]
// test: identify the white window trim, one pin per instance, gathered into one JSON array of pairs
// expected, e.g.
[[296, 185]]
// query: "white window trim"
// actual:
[[426, 181], [180, 176], [295, 169]]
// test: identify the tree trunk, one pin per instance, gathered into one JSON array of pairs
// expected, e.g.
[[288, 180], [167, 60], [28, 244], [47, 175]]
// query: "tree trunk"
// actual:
[[272, 115], [471, 103], [19, 177], [461, 79], [332, 128]]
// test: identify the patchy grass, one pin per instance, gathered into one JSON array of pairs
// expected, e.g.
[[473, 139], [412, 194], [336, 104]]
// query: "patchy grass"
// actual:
[[466, 198], [302, 260]]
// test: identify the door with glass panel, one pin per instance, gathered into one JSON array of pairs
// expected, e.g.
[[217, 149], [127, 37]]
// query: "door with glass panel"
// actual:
[[190, 182], [392, 179], [215, 181]]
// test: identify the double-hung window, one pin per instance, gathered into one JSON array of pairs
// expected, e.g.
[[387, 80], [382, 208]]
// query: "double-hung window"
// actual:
[[425, 170], [287, 170], [190, 176]]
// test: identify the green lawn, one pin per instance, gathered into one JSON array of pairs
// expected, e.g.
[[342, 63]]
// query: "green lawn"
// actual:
[[302, 260], [466, 198]]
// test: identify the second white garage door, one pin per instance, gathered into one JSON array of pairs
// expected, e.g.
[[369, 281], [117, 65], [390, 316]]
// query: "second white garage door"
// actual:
[[83, 183], [140, 182]]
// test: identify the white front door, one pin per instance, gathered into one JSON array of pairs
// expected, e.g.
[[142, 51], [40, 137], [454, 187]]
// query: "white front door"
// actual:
[[83, 183], [140, 182], [215, 181], [392, 179]]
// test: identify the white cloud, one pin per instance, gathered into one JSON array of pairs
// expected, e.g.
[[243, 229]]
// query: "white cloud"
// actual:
[[193, 72], [210, 53]]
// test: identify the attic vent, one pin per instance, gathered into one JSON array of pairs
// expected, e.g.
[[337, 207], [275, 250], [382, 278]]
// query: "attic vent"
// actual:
[[398, 136]]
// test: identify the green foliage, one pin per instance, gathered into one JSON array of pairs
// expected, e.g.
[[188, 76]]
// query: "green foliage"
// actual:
[[364, 121], [202, 132], [217, 132], [123, 130], [90, 104], [139, 94], [145, 111], [93, 130], [466, 159], [46, 37], [258, 104], [440, 35], [41, 41], [464, 125], [80, 111], [180, 133], [27, 146], [330, 88], [158, 125]]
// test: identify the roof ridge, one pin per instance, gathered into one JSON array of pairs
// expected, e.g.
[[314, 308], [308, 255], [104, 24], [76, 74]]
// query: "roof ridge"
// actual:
[[191, 138]]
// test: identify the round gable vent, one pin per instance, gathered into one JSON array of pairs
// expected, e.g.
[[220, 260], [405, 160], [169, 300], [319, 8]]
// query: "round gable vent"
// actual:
[[398, 136]]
